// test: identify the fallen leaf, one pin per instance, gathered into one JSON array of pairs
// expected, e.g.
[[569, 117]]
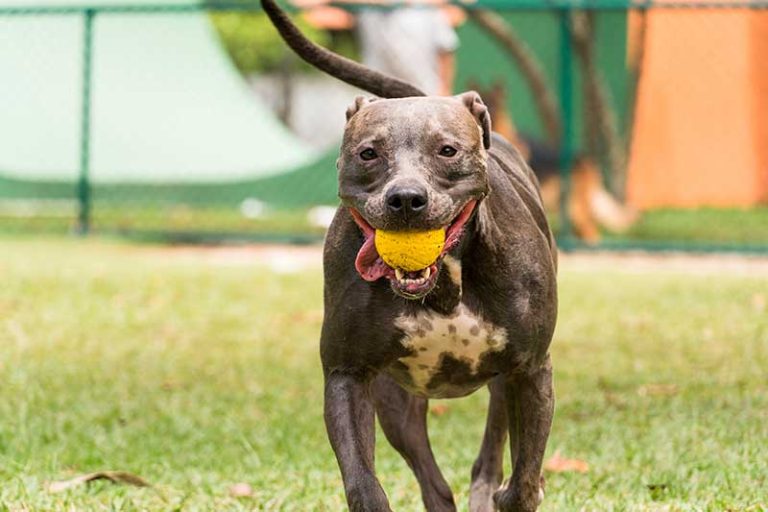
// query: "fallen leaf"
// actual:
[[759, 302], [116, 477], [438, 409], [169, 385], [614, 399], [240, 490], [657, 390], [314, 316], [559, 464]]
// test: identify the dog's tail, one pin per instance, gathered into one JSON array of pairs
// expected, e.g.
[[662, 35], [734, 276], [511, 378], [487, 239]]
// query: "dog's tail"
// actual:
[[335, 65]]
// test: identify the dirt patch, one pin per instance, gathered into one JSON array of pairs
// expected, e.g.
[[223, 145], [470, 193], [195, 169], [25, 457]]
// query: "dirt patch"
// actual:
[[666, 262], [287, 258], [279, 258]]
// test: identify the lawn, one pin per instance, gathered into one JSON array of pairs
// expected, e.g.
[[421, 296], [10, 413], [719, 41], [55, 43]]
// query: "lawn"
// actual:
[[152, 219], [197, 373], [701, 225]]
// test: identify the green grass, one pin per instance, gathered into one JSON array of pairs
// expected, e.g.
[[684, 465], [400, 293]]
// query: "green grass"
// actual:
[[721, 225], [197, 376], [154, 219], [729, 229], [173, 221]]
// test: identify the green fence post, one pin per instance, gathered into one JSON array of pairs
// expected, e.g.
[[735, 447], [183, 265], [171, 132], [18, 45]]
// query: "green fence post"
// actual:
[[83, 183], [566, 138]]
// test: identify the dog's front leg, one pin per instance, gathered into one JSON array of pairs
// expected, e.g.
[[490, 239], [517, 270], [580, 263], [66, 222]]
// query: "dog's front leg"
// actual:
[[487, 471], [349, 419], [530, 405]]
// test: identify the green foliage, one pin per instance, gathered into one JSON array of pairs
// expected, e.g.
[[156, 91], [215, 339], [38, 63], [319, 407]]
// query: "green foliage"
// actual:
[[254, 44]]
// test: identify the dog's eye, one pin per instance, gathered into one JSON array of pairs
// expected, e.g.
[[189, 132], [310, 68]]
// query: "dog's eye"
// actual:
[[447, 151], [368, 154]]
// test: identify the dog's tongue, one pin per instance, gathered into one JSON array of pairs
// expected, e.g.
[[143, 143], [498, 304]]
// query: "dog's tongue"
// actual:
[[368, 263]]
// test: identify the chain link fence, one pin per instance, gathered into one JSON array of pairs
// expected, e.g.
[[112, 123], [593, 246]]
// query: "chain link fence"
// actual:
[[647, 122]]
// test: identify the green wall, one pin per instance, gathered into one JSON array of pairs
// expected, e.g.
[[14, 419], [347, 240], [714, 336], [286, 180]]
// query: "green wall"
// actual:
[[482, 60]]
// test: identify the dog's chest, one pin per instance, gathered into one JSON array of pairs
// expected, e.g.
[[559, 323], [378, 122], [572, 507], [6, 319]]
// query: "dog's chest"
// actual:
[[446, 351]]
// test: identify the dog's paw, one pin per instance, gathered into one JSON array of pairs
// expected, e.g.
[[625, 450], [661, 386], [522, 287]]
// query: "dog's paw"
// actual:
[[511, 499], [481, 496], [367, 497]]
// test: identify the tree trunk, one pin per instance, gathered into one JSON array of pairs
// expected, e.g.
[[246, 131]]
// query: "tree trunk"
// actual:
[[527, 62], [600, 114]]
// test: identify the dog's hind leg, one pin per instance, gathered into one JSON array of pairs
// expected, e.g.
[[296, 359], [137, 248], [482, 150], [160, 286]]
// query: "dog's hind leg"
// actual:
[[530, 403], [487, 471], [403, 418]]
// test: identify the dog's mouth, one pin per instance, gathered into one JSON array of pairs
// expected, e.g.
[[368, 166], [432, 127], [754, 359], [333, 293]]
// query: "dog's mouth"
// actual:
[[409, 284]]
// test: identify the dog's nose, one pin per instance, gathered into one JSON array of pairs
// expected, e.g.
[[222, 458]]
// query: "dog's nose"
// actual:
[[409, 200]]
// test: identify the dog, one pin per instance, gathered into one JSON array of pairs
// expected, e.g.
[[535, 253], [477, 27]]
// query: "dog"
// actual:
[[482, 315], [590, 205]]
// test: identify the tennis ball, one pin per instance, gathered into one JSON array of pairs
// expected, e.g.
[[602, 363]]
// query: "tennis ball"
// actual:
[[410, 250]]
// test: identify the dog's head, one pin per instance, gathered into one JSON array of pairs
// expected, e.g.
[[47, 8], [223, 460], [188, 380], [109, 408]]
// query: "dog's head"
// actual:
[[413, 164]]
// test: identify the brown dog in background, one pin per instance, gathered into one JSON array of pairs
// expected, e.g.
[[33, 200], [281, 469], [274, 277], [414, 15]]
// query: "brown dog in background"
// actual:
[[590, 205]]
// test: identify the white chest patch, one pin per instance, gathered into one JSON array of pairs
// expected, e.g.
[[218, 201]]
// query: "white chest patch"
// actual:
[[430, 336]]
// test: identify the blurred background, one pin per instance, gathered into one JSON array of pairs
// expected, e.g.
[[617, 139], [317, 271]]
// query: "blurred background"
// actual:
[[167, 173], [187, 121]]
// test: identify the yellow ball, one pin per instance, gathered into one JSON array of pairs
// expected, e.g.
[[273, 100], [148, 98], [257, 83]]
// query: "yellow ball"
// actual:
[[410, 250]]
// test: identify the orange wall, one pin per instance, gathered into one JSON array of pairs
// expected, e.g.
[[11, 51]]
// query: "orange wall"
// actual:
[[701, 121], [759, 79]]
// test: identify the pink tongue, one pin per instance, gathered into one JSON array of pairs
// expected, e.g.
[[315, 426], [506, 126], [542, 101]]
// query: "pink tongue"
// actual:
[[368, 263]]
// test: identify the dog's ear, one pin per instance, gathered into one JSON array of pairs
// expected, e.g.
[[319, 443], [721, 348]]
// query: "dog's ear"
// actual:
[[359, 103], [477, 108]]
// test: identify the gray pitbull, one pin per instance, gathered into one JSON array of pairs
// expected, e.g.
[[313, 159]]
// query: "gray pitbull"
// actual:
[[483, 313]]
